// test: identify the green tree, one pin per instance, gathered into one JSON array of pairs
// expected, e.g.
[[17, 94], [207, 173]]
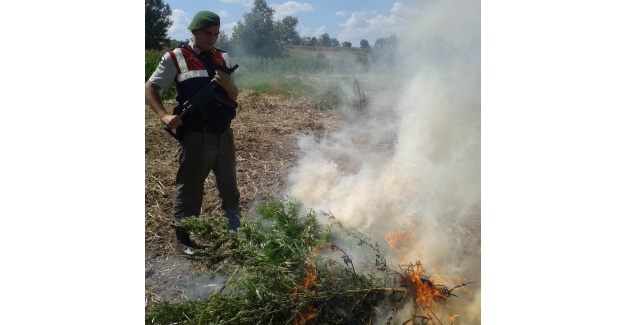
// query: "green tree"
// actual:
[[324, 40], [364, 44], [347, 44], [256, 35], [285, 30], [383, 52], [157, 22], [390, 41], [172, 44], [223, 42]]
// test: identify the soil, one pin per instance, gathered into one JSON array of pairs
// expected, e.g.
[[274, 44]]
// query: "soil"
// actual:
[[266, 130]]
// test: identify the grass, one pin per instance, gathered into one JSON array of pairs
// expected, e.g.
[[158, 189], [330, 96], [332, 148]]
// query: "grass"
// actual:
[[283, 267], [280, 270], [300, 73]]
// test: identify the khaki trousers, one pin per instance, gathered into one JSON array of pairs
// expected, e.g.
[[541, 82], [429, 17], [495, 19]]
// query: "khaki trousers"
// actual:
[[199, 154]]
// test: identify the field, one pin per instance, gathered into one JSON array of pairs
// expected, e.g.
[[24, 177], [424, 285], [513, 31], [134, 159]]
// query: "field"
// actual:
[[314, 92], [265, 131], [272, 113]]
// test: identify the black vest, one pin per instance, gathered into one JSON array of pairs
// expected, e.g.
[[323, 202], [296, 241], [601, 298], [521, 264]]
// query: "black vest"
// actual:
[[195, 72]]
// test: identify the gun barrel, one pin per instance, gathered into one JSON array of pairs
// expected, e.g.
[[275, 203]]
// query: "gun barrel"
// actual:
[[229, 70]]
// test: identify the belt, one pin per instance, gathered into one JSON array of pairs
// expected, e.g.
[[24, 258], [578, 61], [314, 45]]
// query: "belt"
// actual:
[[208, 128]]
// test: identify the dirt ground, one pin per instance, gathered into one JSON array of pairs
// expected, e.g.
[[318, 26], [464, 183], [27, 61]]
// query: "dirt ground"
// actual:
[[266, 129]]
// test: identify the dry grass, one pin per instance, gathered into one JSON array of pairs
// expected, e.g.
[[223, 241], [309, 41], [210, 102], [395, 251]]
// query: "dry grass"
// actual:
[[266, 129]]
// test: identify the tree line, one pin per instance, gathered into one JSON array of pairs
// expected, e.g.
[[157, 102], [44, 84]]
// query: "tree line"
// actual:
[[257, 35]]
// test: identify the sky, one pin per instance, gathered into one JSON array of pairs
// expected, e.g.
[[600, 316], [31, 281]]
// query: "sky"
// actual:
[[344, 20]]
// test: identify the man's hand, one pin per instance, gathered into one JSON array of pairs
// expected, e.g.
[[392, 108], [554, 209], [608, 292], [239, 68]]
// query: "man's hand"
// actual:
[[172, 121], [223, 80], [154, 100]]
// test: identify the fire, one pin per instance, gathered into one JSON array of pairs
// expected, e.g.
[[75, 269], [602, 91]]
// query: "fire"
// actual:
[[425, 292], [303, 315], [310, 279], [333, 247], [401, 241]]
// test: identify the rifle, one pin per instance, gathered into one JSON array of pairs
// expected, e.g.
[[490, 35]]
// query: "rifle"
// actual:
[[205, 95]]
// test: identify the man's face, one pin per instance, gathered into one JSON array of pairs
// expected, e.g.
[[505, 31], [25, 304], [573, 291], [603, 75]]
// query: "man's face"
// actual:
[[206, 37]]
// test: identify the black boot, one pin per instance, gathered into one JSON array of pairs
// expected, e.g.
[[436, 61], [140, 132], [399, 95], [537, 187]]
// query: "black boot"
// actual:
[[185, 246], [234, 218]]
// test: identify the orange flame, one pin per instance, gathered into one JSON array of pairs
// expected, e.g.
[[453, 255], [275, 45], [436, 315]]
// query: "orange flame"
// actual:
[[401, 241], [303, 315], [307, 313], [310, 279], [425, 294]]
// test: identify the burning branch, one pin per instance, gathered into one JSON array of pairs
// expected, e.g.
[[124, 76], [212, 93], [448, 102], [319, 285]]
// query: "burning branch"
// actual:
[[325, 285]]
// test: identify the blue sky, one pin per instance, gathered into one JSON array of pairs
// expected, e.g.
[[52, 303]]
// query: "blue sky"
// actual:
[[345, 20]]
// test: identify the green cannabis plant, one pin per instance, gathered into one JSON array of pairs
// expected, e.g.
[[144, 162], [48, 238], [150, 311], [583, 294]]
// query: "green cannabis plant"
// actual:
[[282, 267]]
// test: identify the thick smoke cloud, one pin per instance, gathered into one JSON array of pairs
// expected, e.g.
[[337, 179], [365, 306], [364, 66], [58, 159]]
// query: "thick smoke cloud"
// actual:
[[407, 171]]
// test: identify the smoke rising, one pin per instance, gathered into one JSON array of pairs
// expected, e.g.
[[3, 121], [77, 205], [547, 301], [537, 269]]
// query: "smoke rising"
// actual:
[[407, 172]]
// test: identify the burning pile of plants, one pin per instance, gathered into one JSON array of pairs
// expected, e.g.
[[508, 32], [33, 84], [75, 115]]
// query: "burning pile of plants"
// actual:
[[283, 267]]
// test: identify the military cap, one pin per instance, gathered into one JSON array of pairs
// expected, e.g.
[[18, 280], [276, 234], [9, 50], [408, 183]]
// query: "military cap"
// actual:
[[204, 19]]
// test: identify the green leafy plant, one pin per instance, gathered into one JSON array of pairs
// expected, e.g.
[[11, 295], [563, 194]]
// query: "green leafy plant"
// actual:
[[282, 267]]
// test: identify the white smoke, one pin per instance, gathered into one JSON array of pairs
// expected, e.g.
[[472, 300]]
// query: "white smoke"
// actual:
[[413, 163]]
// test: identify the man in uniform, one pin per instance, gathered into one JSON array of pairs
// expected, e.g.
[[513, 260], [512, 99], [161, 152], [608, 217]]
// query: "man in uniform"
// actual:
[[205, 138]]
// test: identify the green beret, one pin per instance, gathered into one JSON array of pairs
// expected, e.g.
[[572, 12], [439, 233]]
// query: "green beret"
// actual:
[[204, 19]]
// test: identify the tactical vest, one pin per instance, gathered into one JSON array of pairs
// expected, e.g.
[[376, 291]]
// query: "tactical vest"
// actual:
[[195, 71]]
